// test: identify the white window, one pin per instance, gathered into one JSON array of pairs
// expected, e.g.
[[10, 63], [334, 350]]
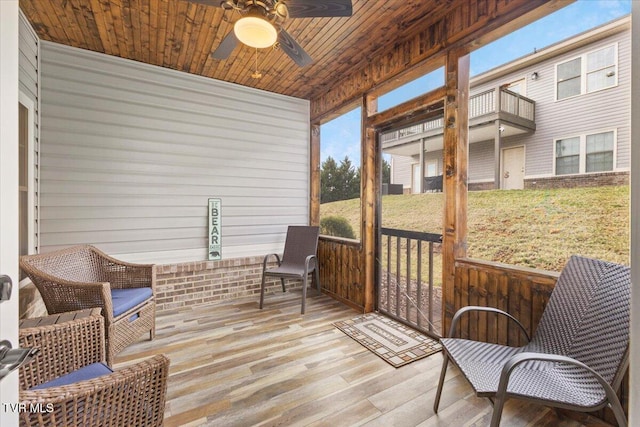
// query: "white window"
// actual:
[[585, 153], [518, 86], [431, 167], [588, 73]]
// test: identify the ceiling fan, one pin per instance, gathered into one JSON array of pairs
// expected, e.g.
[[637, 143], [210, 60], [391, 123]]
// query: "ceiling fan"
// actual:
[[260, 23]]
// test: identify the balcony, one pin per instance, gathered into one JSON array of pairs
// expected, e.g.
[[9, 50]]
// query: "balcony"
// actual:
[[515, 112]]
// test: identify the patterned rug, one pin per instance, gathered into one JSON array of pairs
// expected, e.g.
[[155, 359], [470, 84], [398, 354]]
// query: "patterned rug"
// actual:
[[394, 342]]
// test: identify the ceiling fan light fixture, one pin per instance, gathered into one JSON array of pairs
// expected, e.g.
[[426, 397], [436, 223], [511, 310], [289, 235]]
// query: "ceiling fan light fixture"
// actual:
[[255, 32]]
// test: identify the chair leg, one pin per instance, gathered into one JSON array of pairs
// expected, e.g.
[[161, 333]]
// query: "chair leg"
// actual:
[[445, 362], [304, 292], [497, 409], [317, 274], [262, 290], [621, 418]]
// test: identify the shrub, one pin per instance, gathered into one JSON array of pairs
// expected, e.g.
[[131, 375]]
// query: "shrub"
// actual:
[[336, 226]]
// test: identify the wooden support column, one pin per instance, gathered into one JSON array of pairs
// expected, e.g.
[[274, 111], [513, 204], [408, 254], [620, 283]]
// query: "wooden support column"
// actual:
[[423, 172], [370, 200], [456, 146], [497, 144], [314, 181]]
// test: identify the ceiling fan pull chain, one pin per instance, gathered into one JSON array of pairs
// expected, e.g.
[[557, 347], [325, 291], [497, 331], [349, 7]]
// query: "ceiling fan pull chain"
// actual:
[[257, 74]]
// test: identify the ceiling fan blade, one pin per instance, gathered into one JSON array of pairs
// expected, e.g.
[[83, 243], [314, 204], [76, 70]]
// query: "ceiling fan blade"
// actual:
[[293, 49], [318, 8], [229, 43]]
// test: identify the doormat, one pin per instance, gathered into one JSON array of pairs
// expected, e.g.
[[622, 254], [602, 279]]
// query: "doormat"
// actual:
[[394, 342]]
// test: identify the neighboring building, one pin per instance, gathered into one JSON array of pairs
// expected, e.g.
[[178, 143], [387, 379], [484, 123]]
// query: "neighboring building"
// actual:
[[556, 118]]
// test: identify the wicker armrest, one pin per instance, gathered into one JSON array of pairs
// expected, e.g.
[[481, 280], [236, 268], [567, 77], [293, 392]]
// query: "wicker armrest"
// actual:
[[132, 396], [469, 308], [64, 347], [122, 274]]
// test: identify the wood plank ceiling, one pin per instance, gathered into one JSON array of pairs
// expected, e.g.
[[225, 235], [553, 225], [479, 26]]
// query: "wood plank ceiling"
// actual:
[[181, 35]]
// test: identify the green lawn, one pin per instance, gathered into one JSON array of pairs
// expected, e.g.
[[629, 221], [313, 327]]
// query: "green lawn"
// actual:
[[531, 228]]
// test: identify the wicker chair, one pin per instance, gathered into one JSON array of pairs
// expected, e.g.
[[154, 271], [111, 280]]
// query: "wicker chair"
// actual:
[[577, 357], [84, 277], [66, 392], [298, 260]]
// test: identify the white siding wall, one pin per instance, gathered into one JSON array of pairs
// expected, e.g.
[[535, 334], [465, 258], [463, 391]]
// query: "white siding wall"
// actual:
[[131, 152], [28, 72], [481, 161], [28, 61], [401, 170]]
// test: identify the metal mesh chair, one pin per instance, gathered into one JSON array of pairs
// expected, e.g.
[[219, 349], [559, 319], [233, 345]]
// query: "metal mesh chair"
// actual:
[[298, 260], [577, 356], [82, 277]]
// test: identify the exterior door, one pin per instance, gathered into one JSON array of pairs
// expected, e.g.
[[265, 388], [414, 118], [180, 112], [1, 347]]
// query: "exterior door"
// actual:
[[416, 176], [512, 168]]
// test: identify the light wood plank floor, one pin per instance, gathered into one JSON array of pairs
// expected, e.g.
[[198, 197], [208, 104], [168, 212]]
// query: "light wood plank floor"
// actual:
[[233, 364]]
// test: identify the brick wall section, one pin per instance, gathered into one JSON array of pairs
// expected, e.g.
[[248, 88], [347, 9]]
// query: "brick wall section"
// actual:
[[203, 282], [481, 186], [570, 181], [574, 181]]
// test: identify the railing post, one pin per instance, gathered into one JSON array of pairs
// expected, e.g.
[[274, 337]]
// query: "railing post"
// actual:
[[398, 253], [406, 297], [431, 290], [419, 286]]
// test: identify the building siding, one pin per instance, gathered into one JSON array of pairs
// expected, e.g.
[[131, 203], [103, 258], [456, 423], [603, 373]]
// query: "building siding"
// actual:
[[604, 110], [131, 153], [587, 113], [28, 77], [401, 170], [28, 60]]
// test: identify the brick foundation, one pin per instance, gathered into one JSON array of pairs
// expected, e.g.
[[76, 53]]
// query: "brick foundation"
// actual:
[[481, 186], [574, 181], [202, 282]]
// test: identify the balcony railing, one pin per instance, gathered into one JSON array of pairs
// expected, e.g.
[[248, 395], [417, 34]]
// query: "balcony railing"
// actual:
[[491, 101], [408, 292]]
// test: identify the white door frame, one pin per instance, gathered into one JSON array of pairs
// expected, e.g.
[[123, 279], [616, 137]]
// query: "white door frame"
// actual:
[[502, 163], [9, 88]]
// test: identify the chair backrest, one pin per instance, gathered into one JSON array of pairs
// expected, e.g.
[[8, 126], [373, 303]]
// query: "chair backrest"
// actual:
[[587, 317], [301, 242], [77, 264]]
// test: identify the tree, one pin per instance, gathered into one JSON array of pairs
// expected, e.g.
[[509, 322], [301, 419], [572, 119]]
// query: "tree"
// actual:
[[386, 172], [338, 182], [328, 184]]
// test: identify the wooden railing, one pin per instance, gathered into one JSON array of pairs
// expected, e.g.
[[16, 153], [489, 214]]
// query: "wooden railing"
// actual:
[[522, 292], [341, 272], [407, 289]]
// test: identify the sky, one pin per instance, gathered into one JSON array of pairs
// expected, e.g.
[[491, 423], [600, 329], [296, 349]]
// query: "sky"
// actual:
[[341, 136]]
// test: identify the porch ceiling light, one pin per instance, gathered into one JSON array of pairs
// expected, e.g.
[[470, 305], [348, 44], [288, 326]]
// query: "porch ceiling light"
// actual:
[[256, 32]]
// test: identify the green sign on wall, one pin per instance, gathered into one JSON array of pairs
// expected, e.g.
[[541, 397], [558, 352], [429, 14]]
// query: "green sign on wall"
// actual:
[[215, 230]]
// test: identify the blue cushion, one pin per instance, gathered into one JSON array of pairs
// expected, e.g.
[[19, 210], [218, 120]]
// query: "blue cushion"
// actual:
[[125, 299], [86, 373]]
